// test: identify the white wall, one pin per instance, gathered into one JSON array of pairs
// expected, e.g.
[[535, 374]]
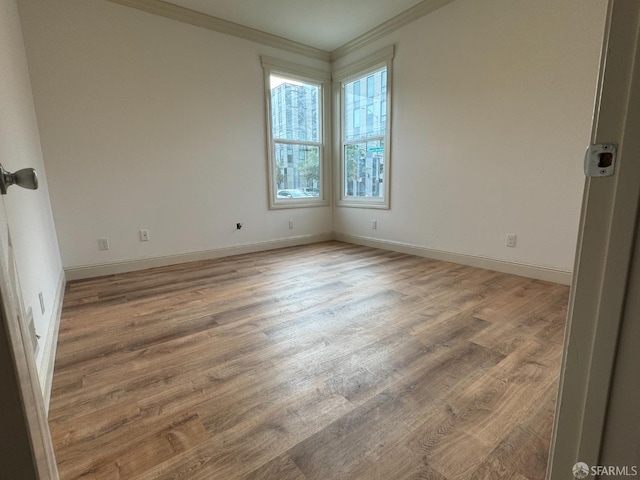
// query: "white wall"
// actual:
[[28, 212], [492, 114], [151, 123]]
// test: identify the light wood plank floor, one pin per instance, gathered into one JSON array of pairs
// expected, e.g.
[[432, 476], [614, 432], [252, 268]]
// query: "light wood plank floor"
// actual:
[[323, 362]]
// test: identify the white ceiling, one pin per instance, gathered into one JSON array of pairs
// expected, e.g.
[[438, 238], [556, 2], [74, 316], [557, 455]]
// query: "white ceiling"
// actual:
[[323, 24]]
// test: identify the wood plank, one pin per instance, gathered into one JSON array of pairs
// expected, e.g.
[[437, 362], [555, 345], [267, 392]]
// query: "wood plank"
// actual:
[[324, 361], [282, 468], [524, 451], [357, 440], [468, 420]]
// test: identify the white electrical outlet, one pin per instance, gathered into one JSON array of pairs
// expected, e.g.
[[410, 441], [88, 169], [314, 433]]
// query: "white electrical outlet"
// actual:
[[511, 240], [290, 224], [374, 224], [144, 235], [103, 244]]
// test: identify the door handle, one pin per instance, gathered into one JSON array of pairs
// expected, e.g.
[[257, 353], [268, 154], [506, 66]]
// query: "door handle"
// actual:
[[25, 178]]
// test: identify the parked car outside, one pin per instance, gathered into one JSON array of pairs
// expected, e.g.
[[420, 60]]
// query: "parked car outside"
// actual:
[[291, 193]]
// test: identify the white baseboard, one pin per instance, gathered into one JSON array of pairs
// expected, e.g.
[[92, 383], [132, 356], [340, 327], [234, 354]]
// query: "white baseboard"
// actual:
[[49, 355], [524, 270], [99, 270]]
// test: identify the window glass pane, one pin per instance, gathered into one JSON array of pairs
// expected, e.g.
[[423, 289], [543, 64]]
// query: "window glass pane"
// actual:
[[295, 110], [365, 107], [297, 170], [364, 169]]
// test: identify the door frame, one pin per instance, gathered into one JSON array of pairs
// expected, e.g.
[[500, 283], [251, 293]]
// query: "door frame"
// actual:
[[604, 253], [23, 418]]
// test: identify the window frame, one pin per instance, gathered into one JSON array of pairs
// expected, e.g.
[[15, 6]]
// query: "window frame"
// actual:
[[273, 66], [341, 77]]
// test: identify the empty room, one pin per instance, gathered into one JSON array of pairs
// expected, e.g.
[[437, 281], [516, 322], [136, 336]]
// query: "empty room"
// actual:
[[312, 240]]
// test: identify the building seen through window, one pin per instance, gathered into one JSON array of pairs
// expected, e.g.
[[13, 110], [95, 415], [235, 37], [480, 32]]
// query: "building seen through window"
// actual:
[[364, 129], [297, 137]]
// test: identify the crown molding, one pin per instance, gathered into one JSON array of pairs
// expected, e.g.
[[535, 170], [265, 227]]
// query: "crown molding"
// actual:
[[198, 19], [420, 10]]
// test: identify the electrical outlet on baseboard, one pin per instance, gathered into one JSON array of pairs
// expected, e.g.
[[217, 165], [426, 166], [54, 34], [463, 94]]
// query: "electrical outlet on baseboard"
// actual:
[[511, 239]]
